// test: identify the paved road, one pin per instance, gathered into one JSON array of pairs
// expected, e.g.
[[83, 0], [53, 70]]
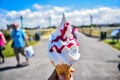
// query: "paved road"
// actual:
[[97, 62]]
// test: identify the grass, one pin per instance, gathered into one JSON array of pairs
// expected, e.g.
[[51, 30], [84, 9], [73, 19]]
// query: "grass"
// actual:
[[95, 32], [44, 33], [8, 52], [33, 42], [114, 44]]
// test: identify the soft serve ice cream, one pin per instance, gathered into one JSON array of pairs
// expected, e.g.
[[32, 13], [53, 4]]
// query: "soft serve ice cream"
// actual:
[[62, 47]]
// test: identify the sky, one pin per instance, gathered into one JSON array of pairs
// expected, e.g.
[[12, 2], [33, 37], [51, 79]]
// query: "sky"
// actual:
[[39, 12]]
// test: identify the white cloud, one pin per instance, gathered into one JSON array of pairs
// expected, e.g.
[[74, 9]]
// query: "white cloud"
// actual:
[[37, 6], [61, 9], [101, 15], [12, 14], [24, 12]]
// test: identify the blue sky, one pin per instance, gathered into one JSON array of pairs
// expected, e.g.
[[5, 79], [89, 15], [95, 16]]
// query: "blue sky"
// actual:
[[36, 12], [78, 4]]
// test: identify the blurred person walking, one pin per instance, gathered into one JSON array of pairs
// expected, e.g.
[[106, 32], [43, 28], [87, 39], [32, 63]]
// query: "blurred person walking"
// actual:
[[19, 41], [2, 43]]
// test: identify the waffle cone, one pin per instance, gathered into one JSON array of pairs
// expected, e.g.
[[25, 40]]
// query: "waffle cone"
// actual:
[[64, 69]]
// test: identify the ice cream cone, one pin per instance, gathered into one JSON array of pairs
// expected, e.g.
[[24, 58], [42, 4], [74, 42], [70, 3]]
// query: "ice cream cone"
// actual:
[[65, 70], [63, 50]]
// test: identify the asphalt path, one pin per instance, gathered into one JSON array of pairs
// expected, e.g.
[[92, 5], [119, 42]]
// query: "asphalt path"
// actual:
[[98, 61]]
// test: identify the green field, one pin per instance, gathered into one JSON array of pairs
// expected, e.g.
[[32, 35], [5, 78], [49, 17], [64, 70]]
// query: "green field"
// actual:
[[114, 44]]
